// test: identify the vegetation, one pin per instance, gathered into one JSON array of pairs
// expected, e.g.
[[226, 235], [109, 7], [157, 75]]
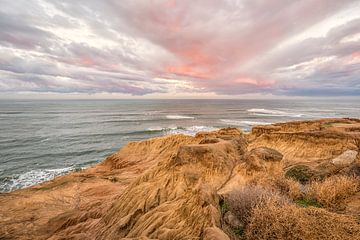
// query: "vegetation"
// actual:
[[223, 206], [333, 191], [307, 202], [288, 187], [300, 173], [240, 231], [272, 220], [241, 201], [282, 210]]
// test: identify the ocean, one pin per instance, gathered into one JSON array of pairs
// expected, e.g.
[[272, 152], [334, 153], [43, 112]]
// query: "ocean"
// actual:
[[41, 139]]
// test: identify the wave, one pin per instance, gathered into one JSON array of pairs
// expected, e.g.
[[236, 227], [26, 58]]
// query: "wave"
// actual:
[[175, 117], [191, 131], [243, 123], [31, 178], [161, 129], [153, 130], [272, 112]]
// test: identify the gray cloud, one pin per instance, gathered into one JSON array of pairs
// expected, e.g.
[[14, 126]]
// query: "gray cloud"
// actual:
[[226, 47]]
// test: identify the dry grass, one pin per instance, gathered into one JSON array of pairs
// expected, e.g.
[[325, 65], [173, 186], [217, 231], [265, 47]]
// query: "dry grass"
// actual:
[[333, 191], [288, 187], [267, 214], [271, 220], [242, 201]]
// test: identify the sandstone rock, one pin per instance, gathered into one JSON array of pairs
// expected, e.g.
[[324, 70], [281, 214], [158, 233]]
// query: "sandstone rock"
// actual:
[[266, 154], [214, 233], [346, 158], [257, 158]]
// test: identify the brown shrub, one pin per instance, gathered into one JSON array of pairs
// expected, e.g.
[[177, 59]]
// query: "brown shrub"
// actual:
[[353, 170], [272, 220], [242, 201], [332, 191], [288, 187]]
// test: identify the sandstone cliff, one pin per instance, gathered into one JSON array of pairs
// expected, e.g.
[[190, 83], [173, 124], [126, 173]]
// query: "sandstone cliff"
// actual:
[[182, 187]]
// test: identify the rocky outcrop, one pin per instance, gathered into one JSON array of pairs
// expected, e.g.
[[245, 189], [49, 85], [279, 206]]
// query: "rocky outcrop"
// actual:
[[346, 158], [172, 187]]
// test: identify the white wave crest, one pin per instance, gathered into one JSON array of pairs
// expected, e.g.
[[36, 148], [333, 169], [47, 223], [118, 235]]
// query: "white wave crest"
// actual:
[[243, 123], [175, 117], [31, 178], [273, 112], [160, 129], [191, 131]]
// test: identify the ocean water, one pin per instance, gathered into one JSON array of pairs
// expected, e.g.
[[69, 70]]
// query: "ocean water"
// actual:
[[41, 139]]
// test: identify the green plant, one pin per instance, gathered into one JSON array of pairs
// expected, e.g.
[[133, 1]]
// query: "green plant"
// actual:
[[223, 207], [307, 202], [240, 231], [300, 173]]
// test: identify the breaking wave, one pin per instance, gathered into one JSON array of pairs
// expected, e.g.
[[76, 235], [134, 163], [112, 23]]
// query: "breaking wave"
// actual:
[[191, 131], [243, 123], [176, 117], [31, 178], [272, 112]]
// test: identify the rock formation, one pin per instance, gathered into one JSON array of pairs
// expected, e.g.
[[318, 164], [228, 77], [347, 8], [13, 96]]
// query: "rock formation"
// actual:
[[174, 187]]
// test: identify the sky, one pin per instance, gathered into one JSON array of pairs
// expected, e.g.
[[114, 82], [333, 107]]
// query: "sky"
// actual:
[[179, 48]]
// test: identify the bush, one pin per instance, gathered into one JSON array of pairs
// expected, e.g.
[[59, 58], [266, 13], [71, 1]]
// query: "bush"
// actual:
[[332, 191], [288, 187], [271, 220], [242, 201], [300, 173]]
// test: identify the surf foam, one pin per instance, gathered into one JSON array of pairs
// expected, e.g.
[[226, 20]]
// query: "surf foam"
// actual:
[[243, 123], [176, 117], [273, 112], [31, 178]]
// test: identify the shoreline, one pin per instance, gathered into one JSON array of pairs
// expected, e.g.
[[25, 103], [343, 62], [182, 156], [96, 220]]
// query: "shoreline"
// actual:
[[159, 174], [72, 169]]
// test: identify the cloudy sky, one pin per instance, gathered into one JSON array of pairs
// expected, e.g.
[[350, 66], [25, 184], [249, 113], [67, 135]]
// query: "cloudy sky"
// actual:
[[179, 48]]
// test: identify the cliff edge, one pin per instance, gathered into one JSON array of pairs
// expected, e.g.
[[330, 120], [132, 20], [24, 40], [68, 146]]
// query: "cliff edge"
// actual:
[[296, 180]]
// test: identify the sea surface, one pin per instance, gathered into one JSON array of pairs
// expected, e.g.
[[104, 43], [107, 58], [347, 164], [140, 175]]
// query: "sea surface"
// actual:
[[41, 139]]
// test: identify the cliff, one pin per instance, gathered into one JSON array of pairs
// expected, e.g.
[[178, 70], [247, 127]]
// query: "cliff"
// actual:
[[297, 180]]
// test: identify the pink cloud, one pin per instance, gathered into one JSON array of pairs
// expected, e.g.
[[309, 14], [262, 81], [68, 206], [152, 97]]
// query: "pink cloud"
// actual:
[[187, 71], [213, 40], [254, 82]]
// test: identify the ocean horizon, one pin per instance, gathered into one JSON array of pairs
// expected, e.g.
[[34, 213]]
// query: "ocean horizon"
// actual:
[[42, 139]]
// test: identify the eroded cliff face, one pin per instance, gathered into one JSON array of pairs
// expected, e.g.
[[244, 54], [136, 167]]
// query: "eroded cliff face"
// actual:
[[172, 187]]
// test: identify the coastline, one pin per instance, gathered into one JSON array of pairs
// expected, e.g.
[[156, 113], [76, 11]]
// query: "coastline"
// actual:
[[172, 187]]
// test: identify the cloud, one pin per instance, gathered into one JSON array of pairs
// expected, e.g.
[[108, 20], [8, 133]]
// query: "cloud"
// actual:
[[224, 47], [18, 34]]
